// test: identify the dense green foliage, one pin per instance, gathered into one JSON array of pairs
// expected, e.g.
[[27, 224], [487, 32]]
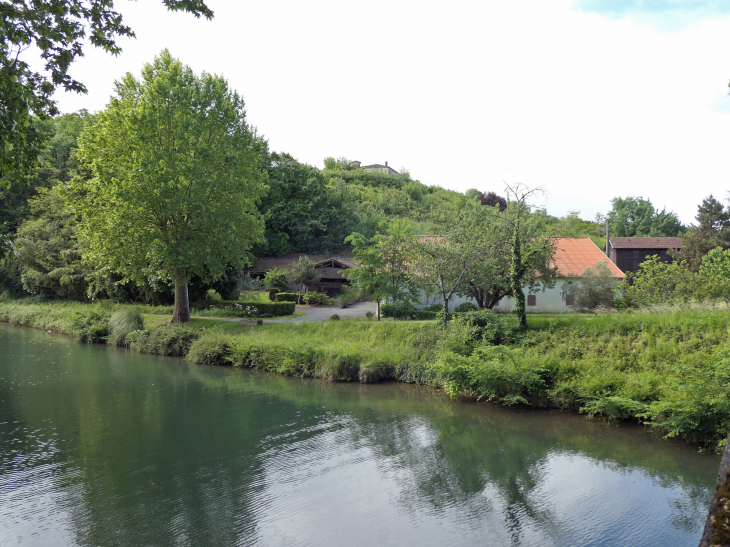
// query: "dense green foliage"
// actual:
[[58, 30], [595, 288], [637, 217], [712, 230], [176, 180], [302, 273]]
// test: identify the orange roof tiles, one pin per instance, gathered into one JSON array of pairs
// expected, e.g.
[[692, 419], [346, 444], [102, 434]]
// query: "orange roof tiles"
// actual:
[[573, 255]]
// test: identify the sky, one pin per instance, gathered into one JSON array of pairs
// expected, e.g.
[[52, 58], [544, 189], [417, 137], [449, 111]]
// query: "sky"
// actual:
[[588, 99]]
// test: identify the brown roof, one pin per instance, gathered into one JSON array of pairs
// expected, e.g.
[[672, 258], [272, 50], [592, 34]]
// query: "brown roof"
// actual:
[[574, 255], [267, 263], [343, 262], [646, 242]]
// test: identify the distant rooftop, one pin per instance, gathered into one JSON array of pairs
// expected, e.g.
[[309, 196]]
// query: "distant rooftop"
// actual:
[[646, 242], [267, 263]]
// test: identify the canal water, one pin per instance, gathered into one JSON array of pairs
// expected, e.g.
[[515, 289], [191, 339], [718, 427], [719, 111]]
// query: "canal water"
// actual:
[[106, 447]]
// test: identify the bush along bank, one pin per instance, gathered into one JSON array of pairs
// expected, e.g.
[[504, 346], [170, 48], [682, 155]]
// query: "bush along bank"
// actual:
[[669, 369]]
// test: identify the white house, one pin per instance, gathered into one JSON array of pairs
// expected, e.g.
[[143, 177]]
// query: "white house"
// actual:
[[573, 256], [376, 167]]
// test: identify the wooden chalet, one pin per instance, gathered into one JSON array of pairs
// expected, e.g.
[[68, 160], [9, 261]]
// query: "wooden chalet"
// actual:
[[331, 280], [629, 252], [328, 267]]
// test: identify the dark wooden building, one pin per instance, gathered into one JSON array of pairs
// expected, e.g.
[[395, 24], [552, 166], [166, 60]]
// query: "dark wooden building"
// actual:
[[328, 267], [629, 252], [333, 275]]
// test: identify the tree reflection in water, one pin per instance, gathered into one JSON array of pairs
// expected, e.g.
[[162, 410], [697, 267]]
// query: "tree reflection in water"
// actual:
[[118, 448]]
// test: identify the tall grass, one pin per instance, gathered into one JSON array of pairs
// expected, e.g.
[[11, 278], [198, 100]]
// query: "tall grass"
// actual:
[[122, 324], [669, 368]]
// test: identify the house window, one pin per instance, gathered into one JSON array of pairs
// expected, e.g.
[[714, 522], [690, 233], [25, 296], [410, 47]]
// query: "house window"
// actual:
[[569, 299], [531, 300]]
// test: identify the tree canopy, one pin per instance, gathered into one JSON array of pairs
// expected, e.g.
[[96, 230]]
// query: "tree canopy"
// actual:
[[637, 217], [58, 29], [712, 230], [176, 179]]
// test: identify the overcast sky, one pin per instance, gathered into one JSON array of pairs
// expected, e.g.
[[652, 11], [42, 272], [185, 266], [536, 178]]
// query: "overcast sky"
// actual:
[[590, 99]]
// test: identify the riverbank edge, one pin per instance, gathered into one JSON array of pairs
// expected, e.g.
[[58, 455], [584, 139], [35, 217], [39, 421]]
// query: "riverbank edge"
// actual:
[[544, 368]]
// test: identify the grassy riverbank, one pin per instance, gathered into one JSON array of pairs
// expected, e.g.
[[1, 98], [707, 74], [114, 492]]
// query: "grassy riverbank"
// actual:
[[670, 369]]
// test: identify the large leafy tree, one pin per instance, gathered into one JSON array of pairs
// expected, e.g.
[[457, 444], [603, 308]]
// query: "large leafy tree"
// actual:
[[637, 217], [49, 259], [385, 263], [301, 215], [58, 29], [176, 179], [488, 280], [712, 230]]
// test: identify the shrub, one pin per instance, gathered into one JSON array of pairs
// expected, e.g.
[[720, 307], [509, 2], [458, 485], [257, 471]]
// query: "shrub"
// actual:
[[348, 296], [274, 308], [90, 327], [467, 307], [168, 340], [481, 326], [315, 299], [334, 317], [210, 349], [493, 373], [246, 309], [369, 314], [275, 280], [286, 297], [122, 323], [406, 311]]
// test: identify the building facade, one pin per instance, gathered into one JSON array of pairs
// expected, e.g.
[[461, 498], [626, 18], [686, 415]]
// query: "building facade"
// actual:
[[573, 256], [629, 252]]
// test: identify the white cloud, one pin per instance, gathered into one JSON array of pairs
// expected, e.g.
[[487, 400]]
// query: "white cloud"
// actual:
[[467, 95]]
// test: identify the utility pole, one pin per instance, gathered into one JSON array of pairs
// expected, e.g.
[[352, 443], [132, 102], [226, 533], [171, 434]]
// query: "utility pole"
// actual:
[[607, 254]]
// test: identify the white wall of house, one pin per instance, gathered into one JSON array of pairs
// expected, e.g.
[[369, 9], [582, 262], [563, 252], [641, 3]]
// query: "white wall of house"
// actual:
[[547, 301]]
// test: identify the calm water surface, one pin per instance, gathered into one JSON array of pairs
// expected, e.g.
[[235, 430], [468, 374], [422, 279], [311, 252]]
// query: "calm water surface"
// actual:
[[106, 447]]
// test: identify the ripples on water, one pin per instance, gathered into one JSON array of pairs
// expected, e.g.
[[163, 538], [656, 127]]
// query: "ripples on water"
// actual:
[[106, 447]]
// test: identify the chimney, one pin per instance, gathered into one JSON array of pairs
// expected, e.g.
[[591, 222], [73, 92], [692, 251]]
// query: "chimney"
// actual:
[[386, 164]]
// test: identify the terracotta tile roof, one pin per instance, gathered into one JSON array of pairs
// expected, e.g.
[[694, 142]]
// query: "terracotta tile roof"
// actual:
[[266, 263], [646, 242], [574, 255]]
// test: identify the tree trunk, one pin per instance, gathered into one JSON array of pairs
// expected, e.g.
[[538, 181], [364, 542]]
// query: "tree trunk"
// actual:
[[299, 298], [445, 318], [181, 311], [516, 276], [378, 309]]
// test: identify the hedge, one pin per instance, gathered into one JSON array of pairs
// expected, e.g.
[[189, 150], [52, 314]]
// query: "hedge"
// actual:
[[238, 309], [286, 297], [406, 311], [273, 308]]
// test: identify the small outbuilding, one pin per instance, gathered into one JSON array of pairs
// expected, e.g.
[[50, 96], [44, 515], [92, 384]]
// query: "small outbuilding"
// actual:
[[629, 252], [329, 268]]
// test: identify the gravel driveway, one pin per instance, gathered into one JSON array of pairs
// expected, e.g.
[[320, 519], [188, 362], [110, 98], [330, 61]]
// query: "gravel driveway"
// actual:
[[359, 309]]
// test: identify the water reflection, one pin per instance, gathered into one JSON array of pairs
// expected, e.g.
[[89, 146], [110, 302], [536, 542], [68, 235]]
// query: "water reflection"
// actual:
[[106, 447]]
